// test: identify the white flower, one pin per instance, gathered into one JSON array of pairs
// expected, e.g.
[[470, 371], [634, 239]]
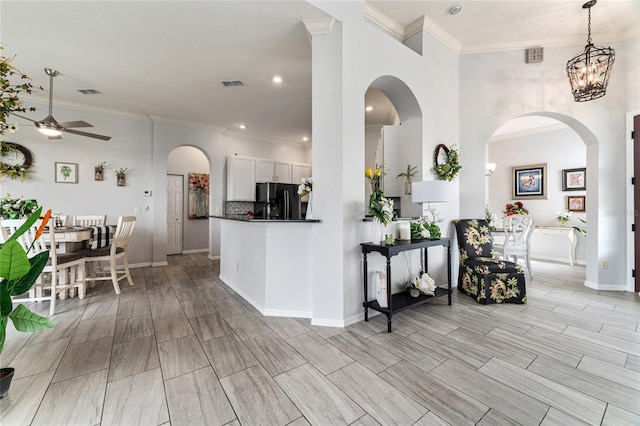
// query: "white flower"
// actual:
[[425, 284], [305, 186], [425, 233]]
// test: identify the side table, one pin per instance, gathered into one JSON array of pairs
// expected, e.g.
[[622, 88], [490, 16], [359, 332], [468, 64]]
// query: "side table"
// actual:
[[403, 300]]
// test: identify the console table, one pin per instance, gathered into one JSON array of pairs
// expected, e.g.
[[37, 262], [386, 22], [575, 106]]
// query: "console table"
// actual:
[[403, 300], [570, 233]]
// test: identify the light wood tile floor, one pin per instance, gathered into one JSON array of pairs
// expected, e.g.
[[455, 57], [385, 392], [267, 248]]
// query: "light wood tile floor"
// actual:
[[181, 348]]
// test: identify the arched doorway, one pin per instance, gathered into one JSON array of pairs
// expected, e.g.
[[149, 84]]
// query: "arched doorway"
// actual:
[[562, 145], [187, 201]]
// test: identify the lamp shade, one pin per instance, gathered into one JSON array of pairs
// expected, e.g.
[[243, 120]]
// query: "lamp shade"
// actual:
[[430, 191]]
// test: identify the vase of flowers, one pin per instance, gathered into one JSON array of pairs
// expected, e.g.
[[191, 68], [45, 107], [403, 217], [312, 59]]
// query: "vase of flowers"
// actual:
[[98, 171], [306, 188], [411, 171], [515, 208], [16, 208], [563, 218]]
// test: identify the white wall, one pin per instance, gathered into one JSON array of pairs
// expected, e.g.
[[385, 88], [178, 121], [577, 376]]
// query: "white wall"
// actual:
[[129, 147], [559, 149], [182, 161]]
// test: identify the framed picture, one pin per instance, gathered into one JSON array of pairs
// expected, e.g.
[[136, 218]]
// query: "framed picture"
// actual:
[[66, 172], [576, 203], [574, 179], [529, 182]]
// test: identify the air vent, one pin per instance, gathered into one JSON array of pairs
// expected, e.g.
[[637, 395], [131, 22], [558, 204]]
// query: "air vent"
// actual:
[[231, 83], [89, 91]]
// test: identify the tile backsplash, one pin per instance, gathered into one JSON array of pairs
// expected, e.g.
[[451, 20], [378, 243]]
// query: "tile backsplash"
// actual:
[[238, 207]]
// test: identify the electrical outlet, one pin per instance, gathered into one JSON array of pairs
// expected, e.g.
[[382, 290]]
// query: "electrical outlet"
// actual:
[[605, 264]]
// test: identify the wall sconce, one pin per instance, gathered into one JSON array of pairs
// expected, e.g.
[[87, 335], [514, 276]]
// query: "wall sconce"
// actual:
[[489, 168]]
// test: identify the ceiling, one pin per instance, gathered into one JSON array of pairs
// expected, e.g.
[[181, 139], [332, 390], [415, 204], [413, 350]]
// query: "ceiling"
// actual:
[[166, 59]]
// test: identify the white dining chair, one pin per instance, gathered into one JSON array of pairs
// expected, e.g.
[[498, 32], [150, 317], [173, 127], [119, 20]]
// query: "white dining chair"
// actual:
[[518, 230], [90, 220], [63, 271], [111, 254]]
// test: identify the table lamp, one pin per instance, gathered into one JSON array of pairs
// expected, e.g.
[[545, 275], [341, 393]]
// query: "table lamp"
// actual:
[[430, 191]]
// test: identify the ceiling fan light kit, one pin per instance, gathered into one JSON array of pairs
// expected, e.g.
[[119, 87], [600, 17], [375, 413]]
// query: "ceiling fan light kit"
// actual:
[[589, 72], [54, 129]]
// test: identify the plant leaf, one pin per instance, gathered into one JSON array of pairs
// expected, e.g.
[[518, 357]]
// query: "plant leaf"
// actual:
[[3, 331], [26, 321], [5, 300], [24, 283], [26, 225], [13, 260]]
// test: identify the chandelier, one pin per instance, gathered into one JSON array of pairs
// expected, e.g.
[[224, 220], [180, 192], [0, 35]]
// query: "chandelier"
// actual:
[[589, 71]]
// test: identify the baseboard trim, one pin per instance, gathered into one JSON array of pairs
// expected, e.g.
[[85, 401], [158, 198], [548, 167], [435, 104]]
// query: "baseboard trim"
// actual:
[[283, 313], [326, 322], [165, 263], [213, 257], [205, 250], [558, 259], [606, 287], [253, 303]]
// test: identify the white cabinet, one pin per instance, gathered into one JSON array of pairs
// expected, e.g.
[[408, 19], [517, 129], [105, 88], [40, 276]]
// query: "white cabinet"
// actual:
[[241, 178], [272, 171], [298, 171]]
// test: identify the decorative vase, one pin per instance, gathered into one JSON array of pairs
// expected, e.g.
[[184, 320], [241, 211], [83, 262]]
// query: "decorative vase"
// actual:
[[121, 180], [407, 186], [97, 173], [309, 214], [6, 374]]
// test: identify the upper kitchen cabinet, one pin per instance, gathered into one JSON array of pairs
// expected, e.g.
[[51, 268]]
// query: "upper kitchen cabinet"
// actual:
[[298, 171], [241, 178], [273, 171]]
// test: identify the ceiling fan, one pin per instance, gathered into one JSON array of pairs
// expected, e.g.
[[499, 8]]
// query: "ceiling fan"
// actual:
[[53, 129]]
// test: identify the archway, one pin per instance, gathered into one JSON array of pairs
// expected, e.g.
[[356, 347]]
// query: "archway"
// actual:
[[191, 165], [399, 140], [562, 144]]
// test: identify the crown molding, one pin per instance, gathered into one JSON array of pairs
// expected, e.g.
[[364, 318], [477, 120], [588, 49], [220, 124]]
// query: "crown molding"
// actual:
[[527, 132], [427, 25], [319, 26], [382, 21], [258, 138]]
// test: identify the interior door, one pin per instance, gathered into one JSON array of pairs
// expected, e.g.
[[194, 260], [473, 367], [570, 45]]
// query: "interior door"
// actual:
[[175, 211], [636, 199]]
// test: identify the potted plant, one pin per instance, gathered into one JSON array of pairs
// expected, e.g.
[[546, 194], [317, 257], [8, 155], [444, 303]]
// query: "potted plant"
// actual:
[[411, 171], [98, 171], [18, 273], [120, 174]]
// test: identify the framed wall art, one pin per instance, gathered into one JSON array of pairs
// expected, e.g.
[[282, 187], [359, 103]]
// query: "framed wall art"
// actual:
[[576, 203], [66, 172], [529, 182], [574, 179]]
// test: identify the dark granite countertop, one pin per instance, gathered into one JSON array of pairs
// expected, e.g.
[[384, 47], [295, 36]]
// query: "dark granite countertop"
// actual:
[[245, 218]]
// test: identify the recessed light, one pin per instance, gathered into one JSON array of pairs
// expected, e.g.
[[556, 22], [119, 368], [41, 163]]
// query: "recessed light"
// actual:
[[304, 138], [242, 126], [277, 79], [454, 9], [369, 108]]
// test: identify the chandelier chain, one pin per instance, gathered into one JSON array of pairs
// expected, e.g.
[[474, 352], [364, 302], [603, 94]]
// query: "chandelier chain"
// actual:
[[589, 28]]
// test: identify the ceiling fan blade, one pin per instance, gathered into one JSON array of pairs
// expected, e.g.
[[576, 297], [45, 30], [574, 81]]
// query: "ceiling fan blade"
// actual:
[[68, 124], [89, 135], [26, 118]]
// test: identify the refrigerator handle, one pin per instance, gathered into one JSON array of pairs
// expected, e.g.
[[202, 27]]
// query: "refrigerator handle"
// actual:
[[287, 204]]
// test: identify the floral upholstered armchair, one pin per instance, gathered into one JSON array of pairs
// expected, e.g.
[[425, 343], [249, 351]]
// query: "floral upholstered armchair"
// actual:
[[482, 275]]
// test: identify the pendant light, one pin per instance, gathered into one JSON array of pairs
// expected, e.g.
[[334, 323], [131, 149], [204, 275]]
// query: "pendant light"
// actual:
[[589, 71]]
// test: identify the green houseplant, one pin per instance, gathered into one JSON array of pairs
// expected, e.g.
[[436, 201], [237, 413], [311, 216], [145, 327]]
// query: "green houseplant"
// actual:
[[18, 273]]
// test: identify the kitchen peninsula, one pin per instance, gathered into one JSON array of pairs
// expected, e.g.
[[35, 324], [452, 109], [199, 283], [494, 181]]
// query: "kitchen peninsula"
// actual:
[[268, 263]]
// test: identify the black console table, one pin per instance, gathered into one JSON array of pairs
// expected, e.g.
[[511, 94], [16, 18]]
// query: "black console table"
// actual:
[[401, 301]]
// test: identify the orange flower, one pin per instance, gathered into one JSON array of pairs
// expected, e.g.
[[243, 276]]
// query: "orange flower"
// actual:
[[45, 220]]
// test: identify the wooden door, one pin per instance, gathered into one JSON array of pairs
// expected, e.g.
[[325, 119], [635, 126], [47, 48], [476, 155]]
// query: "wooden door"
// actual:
[[175, 213], [636, 199]]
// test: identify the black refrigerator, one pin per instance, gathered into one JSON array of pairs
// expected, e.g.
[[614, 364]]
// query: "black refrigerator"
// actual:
[[277, 201]]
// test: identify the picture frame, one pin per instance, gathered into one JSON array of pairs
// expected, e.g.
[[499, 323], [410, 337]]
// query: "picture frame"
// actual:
[[66, 172], [574, 179], [576, 203], [529, 182]]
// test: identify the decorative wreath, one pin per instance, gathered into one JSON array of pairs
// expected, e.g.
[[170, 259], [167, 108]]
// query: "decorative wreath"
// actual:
[[15, 171], [450, 168]]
